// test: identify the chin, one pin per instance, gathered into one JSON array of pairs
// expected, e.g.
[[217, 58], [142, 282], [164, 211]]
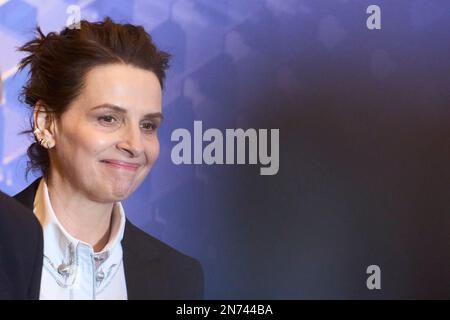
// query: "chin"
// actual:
[[109, 195], [119, 192], [119, 197]]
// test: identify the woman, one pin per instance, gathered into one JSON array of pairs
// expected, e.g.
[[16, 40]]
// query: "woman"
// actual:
[[96, 99]]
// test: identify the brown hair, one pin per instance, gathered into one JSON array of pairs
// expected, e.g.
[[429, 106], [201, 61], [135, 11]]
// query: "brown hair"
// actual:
[[59, 63]]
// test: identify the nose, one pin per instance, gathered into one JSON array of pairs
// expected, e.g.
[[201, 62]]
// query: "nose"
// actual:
[[131, 141]]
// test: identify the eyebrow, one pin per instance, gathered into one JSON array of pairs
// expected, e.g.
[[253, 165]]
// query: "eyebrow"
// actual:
[[153, 115]]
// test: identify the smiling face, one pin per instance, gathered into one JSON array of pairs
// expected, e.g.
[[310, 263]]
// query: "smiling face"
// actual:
[[106, 141]]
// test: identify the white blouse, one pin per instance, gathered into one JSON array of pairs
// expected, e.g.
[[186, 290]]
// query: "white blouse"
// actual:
[[71, 269]]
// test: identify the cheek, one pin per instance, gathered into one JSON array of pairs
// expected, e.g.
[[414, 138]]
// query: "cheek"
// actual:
[[97, 143], [152, 151], [156, 149], [86, 147]]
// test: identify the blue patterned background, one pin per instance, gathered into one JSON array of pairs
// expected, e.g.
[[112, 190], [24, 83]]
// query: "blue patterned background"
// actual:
[[364, 140]]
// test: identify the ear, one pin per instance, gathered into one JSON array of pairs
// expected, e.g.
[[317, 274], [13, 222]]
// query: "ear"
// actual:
[[44, 123]]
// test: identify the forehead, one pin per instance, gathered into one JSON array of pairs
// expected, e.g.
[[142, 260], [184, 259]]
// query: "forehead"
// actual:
[[122, 85]]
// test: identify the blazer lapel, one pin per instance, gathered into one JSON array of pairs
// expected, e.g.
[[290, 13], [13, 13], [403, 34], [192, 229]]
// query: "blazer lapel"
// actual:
[[26, 196], [146, 276]]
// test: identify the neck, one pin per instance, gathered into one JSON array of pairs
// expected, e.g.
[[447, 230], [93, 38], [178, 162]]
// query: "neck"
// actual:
[[83, 219]]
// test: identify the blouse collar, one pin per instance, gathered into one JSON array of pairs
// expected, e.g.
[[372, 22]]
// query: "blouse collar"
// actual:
[[62, 251]]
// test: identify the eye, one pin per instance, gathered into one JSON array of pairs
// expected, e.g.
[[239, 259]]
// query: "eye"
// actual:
[[107, 119], [149, 126]]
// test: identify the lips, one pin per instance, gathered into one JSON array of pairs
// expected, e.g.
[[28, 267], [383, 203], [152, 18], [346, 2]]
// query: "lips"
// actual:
[[121, 164]]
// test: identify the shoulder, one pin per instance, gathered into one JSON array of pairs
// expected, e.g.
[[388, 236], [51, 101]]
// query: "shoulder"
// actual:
[[16, 220], [21, 242]]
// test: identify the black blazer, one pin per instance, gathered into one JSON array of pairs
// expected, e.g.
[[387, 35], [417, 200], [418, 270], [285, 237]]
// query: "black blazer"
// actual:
[[21, 246], [153, 270]]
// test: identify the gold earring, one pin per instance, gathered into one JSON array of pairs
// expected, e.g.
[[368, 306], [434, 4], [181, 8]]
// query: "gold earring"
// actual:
[[37, 133], [50, 144], [43, 141]]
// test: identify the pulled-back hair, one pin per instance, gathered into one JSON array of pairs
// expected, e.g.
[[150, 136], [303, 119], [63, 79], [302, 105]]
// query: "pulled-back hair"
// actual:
[[59, 63]]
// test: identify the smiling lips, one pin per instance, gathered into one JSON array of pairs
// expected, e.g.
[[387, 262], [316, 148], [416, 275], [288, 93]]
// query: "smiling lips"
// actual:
[[121, 164]]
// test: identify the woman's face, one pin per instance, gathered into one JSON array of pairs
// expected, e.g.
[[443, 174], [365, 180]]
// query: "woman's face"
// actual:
[[106, 141]]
